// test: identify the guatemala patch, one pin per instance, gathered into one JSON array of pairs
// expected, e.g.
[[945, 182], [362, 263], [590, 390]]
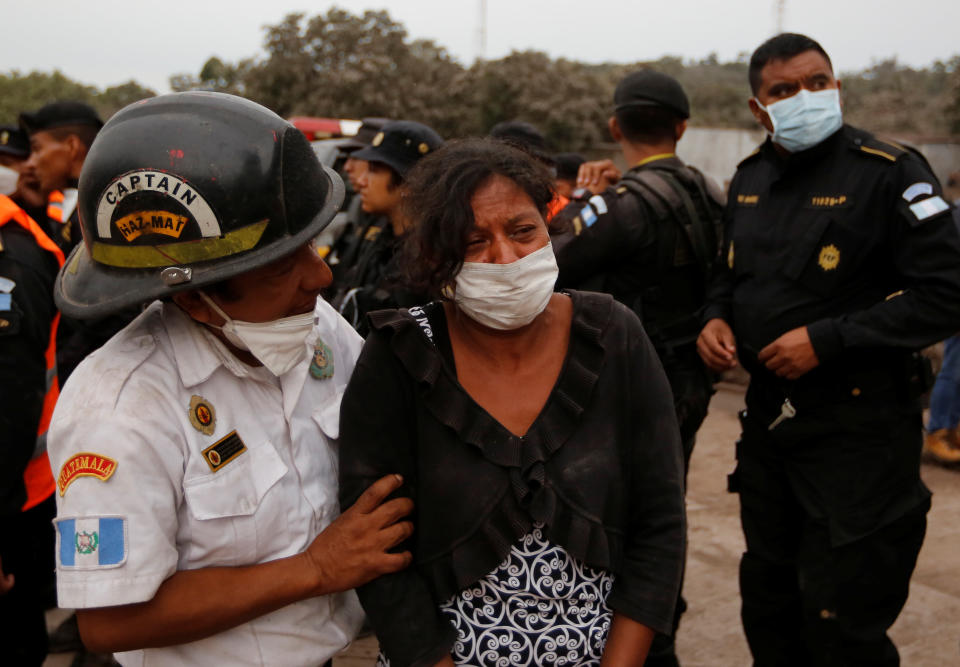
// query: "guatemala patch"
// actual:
[[85, 464], [91, 543], [599, 204], [6, 302], [6, 285], [929, 207], [223, 451]]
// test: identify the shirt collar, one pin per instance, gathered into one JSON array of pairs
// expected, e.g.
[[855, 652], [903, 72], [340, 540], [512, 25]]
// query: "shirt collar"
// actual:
[[198, 352], [653, 158]]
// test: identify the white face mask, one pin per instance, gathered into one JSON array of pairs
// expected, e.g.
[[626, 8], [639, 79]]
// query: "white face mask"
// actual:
[[278, 344], [803, 120], [8, 180], [507, 296]]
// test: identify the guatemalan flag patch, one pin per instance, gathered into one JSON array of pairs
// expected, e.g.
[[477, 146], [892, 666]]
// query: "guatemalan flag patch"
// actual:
[[91, 543]]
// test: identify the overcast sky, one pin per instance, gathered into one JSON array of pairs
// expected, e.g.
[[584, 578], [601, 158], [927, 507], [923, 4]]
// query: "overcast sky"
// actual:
[[107, 42]]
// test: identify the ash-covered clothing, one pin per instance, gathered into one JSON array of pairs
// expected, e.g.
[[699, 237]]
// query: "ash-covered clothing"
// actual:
[[170, 454], [540, 606], [852, 240], [600, 468]]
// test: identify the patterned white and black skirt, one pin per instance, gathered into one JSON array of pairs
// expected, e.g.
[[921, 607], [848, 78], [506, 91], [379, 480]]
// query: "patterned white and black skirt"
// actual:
[[540, 606]]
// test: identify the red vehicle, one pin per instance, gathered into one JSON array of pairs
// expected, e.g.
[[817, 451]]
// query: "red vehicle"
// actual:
[[325, 128]]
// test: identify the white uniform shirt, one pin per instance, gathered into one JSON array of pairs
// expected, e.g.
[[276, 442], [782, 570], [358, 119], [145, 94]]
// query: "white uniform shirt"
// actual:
[[152, 478]]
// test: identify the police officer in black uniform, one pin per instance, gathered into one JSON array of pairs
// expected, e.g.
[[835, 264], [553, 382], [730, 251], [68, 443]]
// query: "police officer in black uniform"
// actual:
[[373, 280], [344, 250], [651, 241], [27, 313], [841, 259]]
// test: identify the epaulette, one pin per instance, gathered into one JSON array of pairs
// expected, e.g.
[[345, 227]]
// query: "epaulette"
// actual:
[[884, 149], [755, 153]]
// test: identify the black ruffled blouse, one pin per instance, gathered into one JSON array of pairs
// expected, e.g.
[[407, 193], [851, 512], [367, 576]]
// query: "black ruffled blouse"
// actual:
[[601, 468]]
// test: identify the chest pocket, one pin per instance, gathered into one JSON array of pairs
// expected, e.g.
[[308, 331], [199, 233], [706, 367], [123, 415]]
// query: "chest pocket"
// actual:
[[825, 256], [226, 506]]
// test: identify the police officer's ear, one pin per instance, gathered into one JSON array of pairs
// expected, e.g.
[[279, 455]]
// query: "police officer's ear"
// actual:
[[199, 310], [78, 153], [759, 114], [680, 128], [614, 128]]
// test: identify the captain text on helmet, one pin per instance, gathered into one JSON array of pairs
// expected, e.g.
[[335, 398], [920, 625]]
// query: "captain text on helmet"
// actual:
[[195, 453]]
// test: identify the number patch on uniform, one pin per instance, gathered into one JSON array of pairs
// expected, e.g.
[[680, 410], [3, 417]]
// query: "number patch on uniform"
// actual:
[[223, 451], [91, 542]]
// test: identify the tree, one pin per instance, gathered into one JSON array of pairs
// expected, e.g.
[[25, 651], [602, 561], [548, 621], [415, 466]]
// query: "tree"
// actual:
[[26, 92]]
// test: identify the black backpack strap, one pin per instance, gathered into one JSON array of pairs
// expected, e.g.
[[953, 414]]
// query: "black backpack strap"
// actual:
[[657, 196]]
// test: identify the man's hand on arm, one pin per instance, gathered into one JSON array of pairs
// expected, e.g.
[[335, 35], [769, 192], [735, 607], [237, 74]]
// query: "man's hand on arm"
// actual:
[[791, 355], [717, 345], [597, 175], [194, 604]]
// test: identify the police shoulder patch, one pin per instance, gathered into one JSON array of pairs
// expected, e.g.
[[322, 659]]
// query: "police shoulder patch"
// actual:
[[929, 207], [85, 464]]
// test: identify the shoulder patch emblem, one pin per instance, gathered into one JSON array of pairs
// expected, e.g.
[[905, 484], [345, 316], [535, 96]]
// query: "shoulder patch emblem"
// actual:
[[6, 301], [829, 257], [588, 215], [91, 542], [202, 415], [599, 204], [321, 366], [929, 207], [916, 190], [223, 451], [85, 464], [6, 285]]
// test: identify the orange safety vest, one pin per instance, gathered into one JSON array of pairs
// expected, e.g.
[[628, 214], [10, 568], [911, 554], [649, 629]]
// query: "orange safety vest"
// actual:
[[55, 206], [557, 204], [38, 478]]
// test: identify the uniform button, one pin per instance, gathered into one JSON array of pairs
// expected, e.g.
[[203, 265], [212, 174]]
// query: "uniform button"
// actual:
[[826, 614], [855, 391]]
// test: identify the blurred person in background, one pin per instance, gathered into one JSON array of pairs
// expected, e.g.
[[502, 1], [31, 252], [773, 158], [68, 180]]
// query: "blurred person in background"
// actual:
[[372, 281], [568, 164], [15, 181], [650, 237], [349, 243]]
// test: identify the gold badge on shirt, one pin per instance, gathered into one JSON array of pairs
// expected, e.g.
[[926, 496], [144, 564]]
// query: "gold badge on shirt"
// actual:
[[223, 451], [829, 257], [202, 415]]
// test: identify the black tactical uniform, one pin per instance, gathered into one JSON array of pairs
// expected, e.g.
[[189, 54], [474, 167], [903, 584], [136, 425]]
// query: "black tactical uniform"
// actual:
[[851, 239], [27, 273], [373, 280], [652, 247]]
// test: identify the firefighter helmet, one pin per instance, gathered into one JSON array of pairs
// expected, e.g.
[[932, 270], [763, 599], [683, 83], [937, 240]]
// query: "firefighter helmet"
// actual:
[[183, 190]]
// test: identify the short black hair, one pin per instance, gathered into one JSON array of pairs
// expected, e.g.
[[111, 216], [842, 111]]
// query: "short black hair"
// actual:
[[85, 133], [396, 179], [784, 46], [439, 189], [648, 124]]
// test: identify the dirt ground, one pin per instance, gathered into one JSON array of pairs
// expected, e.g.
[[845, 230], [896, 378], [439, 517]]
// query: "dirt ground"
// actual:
[[927, 632]]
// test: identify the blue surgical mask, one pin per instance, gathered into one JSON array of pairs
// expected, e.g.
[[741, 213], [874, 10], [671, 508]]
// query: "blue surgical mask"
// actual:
[[803, 120]]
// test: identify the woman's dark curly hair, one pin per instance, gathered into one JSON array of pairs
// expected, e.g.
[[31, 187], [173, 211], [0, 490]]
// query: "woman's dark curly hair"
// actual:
[[437, 201]]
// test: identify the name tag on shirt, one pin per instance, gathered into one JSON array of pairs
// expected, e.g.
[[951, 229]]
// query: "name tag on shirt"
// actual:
[[91, 543]]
